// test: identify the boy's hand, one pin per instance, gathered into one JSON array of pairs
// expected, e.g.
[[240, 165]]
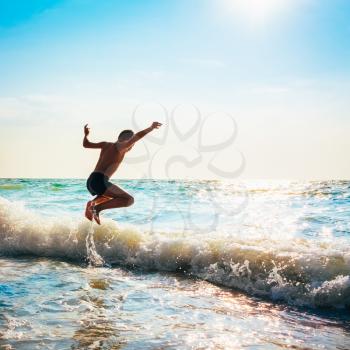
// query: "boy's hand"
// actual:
[[156, 125], [86, 130]]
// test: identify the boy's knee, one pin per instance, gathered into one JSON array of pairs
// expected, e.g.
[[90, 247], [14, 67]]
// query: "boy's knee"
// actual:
[[129, 201]]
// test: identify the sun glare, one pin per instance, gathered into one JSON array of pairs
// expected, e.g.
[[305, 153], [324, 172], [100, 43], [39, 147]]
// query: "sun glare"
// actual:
[[256, 11]]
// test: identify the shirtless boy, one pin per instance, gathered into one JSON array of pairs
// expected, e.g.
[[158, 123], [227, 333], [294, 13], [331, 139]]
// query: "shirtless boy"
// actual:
[[108, 195]]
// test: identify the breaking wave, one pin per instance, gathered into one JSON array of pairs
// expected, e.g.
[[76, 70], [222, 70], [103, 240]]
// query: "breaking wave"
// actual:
[[300, 272]]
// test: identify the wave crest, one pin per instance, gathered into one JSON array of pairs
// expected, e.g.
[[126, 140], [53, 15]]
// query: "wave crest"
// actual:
[[299, 271]]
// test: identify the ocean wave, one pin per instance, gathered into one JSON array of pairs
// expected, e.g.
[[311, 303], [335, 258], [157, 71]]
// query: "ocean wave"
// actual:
[[11, 186], [300, 272], [57, 186]]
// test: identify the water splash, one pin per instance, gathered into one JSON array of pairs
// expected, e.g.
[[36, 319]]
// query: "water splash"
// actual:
[[298, 271], [92, 256]]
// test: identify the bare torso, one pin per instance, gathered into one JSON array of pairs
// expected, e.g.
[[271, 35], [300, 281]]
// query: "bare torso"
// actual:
[[110, 158]]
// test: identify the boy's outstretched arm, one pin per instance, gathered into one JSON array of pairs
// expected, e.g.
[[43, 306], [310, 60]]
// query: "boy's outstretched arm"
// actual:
[[139, 135], [87, 143]]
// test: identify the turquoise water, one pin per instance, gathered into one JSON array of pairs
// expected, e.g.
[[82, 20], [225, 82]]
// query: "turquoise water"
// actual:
[[192, 265]]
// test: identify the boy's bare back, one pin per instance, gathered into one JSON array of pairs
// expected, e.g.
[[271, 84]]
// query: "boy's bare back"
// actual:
[[111, 156]]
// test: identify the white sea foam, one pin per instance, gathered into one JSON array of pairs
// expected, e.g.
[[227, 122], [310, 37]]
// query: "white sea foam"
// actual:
[[298, 271]]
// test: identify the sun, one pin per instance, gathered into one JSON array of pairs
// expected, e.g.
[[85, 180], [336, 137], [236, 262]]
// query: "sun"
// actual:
[[256, 11]]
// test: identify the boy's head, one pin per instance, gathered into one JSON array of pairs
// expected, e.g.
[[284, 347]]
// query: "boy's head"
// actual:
[[125, 135]]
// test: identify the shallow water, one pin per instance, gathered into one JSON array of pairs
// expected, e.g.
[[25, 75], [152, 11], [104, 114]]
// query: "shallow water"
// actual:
[[193, 264]]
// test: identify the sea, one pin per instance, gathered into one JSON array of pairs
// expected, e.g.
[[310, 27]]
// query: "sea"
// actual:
[[191, 265]]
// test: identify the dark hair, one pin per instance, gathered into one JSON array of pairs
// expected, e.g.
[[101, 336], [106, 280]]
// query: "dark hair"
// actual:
[[125, 135]]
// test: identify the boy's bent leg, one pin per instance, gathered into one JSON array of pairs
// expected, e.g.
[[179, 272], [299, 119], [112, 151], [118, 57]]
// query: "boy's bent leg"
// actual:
[[101, 199], [120, 198]]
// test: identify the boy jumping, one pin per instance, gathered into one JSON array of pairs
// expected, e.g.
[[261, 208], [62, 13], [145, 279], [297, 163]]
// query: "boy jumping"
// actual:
[[108, 195]]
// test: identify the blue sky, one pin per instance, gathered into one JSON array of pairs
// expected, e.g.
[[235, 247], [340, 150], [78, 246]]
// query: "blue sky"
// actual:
[[284, 71]]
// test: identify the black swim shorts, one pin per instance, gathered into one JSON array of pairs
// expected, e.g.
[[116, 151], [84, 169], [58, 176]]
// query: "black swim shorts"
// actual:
[[97, 183]]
